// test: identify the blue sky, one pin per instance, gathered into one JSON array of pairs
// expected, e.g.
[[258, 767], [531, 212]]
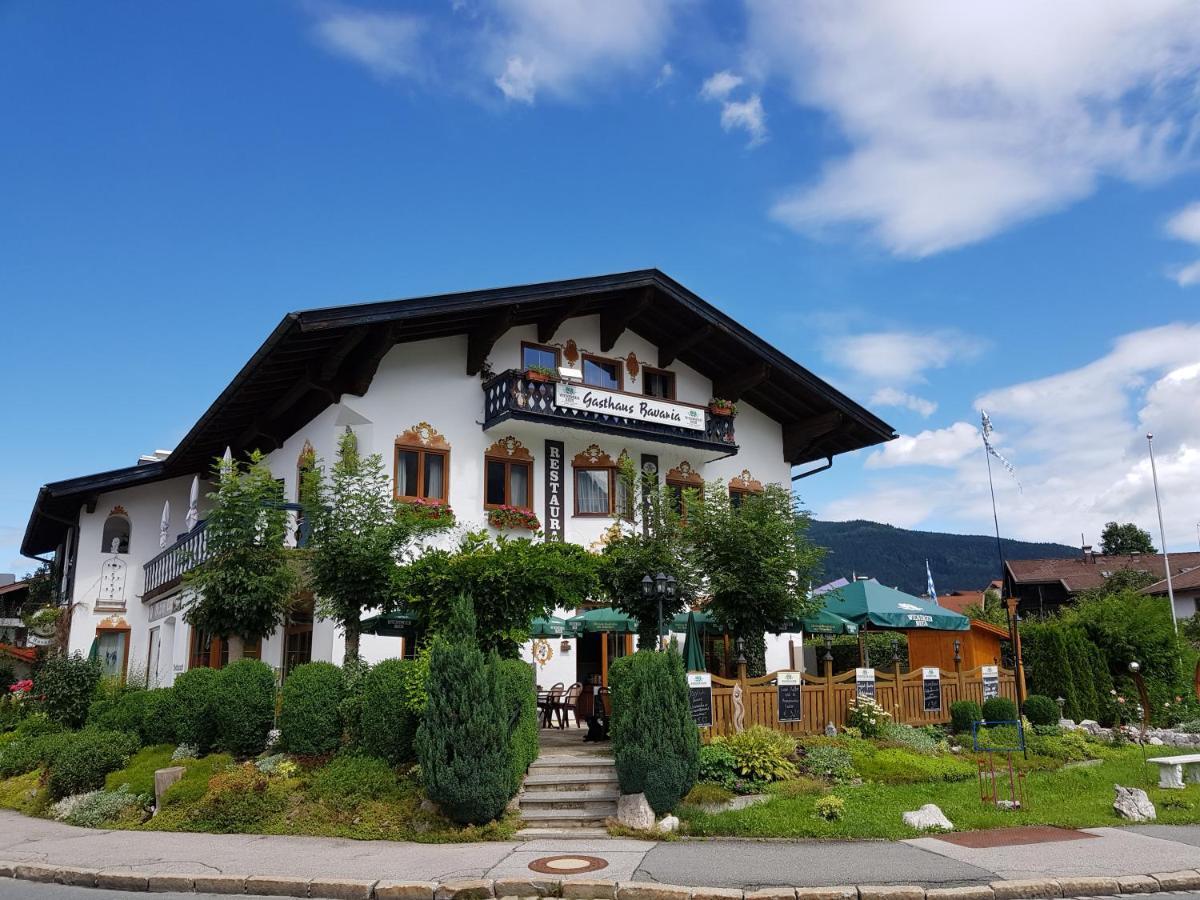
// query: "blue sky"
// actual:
[[936, 211]]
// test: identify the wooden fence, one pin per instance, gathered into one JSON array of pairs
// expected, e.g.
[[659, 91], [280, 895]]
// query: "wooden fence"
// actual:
[[742, 702]]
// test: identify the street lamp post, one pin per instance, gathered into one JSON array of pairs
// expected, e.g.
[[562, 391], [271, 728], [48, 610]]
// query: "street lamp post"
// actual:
[[660, 585], [1162, 534]]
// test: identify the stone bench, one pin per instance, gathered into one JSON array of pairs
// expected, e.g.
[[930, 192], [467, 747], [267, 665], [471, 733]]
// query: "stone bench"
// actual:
[[1174, 770]]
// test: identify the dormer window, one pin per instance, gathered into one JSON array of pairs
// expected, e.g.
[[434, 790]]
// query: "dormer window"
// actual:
[[115, 536]]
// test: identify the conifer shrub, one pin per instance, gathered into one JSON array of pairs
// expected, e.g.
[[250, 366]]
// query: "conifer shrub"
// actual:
[[655, 741], [388, 719], [963, 714], [244, 694], [309, 720], [520, 698], [463, 742], [1041, 710], [66, 685], [195, 694], [999, 709]]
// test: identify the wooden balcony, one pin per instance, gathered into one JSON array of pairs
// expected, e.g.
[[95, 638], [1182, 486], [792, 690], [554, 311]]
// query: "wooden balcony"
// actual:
[[511, 396]]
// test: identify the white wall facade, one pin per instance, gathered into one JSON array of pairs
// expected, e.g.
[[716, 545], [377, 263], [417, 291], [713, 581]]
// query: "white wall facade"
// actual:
[[422, 382]]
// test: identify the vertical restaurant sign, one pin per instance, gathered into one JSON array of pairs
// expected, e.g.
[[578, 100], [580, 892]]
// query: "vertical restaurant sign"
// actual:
[[700, 698], [931, 684], [991, 682], [864, 683], [787, 686], [554, 491]]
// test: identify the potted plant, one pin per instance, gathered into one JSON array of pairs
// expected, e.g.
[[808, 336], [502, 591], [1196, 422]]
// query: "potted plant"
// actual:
[[539, 373], [437, 510], [719, 407], [513, 517]]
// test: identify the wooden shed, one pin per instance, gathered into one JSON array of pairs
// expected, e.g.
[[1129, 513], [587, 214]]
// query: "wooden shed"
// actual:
[[980, 646]]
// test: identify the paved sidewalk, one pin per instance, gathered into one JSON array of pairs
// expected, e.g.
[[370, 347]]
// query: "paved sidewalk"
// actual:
[[717, 863]]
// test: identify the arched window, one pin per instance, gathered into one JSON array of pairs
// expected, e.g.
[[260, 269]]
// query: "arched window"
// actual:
[[422, 464], [595, 475], [115, 536]]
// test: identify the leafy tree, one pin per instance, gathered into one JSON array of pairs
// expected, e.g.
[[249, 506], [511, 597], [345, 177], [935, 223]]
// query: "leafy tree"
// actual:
[[511, 582], [991, 610], [244, 587], [1125, 538], [758, 562], [651, 540], [359, 533]]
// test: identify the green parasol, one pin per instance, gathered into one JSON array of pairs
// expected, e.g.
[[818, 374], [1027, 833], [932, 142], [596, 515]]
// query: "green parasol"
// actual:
[[703, 619], [823, 622], [693, 649], [397, 623], [867, 602], [605, 619], [550, 626]]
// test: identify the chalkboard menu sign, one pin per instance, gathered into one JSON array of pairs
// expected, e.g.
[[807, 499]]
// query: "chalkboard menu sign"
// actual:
[[787, 686], [864, 683], [700, 698], [931, 681], [991, 682]]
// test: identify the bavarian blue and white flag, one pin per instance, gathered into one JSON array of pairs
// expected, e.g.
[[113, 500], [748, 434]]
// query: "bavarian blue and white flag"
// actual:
[[986, 424], [929, 588]]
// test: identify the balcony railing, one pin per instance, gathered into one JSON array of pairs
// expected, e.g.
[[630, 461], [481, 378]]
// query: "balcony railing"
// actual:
[[510, 395], [165, 571]]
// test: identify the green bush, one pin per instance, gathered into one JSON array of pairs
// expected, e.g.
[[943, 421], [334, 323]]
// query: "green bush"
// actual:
[[830, 807], [88, 757], [761, 753], [28, 753], [138, 773], [1062, 662], [716, 763], [655, 741], [149, 714], [352, 780], [354, 673], [238, 799], [964, 714], [913, 738], [188, 790], [196, 708], [38, 723], [828, 761], [97, 808], [66, 685], [894, 765], [244, 694], [1041, 710], [520, 700], [707, 793], [999, 709], [309, 720], [463, 742], [388, 720]]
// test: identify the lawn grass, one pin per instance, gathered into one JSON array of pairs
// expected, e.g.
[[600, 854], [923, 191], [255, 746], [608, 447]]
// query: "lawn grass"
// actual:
[[1073, 797]]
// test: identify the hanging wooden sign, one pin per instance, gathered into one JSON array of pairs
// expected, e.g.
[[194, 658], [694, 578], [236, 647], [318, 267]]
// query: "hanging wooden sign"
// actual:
[[931, 683], [700, 698], [864, 683], [787, 689], [553, 520]]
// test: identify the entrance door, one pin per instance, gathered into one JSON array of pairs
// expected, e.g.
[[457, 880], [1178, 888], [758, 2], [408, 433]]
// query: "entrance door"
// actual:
[[152, 658]]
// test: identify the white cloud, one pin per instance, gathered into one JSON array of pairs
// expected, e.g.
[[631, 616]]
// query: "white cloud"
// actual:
[[890, 396], [665, 74], [1078, 441], [516, 82], [386, 43], [748, 115], [964, 119], [1185, 226], [942, 447], [900, 357], [719, 85]]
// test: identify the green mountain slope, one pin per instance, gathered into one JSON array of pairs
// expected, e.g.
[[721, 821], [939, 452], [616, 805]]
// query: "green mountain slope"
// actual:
[[896, 556]]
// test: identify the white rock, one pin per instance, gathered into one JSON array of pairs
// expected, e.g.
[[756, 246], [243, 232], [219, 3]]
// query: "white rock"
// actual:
[[633, 811], [1156, 741], [1134, 805], [669, 824], [926, 818], [1068, 723]]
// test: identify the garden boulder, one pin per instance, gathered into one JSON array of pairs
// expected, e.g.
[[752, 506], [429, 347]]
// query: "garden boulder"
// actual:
[[633, 811], [1134, 805], [928, 818]]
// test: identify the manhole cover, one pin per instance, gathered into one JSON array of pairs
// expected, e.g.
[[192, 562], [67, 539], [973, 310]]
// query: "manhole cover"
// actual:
[[1013, 837], [567, 865]]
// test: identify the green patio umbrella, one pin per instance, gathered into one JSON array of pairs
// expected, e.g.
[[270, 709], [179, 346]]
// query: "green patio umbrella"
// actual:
[[693, 648], [604, 619], [703, 619], [397, 623], [823, 622], [550, 626], [869, 603]]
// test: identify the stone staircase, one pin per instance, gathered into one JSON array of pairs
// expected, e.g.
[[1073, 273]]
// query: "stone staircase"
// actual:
[[569, 793]]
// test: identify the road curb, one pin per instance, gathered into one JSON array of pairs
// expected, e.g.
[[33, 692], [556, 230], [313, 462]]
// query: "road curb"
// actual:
[[583, 889]]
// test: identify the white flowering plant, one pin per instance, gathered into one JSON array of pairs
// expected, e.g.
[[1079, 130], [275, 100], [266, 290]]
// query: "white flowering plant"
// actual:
[[867, 716]]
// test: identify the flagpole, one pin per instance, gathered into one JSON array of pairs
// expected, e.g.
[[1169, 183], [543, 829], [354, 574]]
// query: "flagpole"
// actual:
[[1162, 534], [995, 518]]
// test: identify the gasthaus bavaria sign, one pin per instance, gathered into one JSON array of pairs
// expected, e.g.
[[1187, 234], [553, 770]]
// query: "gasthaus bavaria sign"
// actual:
[[644, 409]]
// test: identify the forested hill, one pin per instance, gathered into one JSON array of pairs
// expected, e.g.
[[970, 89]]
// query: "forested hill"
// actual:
[[896, 557]]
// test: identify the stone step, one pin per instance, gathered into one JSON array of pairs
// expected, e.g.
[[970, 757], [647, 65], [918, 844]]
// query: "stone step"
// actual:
[[594, 781], [572, 765], [577, 833], [587, 796], [581, 759], [601, 804], [563, 818]]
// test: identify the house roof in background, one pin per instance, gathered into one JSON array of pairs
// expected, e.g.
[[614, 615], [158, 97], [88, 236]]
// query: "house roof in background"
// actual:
[[1188, 580], [1084, 573], [313, 358]]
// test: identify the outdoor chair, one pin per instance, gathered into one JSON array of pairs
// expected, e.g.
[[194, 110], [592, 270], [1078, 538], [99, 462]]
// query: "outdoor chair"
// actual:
[[566, 705], [548, 702]]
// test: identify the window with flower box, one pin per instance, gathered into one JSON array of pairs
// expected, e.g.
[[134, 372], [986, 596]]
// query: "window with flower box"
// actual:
[[422, 465], [508, 485]]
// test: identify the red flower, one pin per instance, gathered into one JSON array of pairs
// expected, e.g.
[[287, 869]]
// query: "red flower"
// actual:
[[22, 686]]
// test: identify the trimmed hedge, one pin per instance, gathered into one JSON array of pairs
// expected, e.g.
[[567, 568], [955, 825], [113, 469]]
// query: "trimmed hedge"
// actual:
[[1041, 710], [88, 757], [387, 720], [309, 722], [520, 696], [999, 709], [963, 714], [151, 715], [244, 694], [27, 753], [655, 741], [196, 708], [66, 685]]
